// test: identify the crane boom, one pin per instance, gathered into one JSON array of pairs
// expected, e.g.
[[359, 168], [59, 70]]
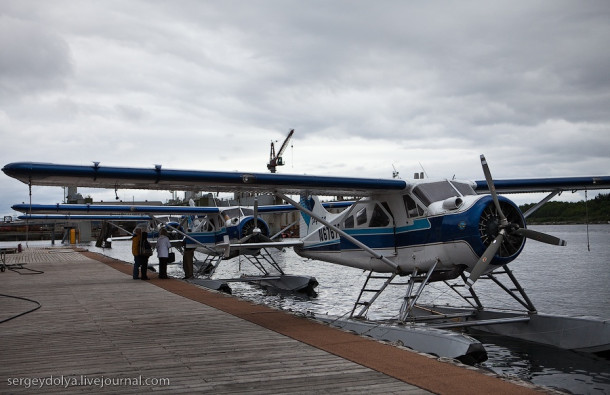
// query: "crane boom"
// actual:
[[276, 160]]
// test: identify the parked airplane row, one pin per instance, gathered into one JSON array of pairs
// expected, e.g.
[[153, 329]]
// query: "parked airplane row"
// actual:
[[422, 230]]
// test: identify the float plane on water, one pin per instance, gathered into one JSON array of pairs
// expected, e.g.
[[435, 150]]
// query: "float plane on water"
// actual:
[[218, 232], [421, 230]]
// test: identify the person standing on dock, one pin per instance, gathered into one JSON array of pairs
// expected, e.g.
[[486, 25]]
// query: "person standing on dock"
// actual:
[[163, 246], [187, 261], [141, 250], [135, 250], [145, 252]]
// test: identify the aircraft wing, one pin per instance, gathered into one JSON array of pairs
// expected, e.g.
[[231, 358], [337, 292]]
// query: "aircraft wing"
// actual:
[[283, 208], [111, 209], [545, 184], [61, 217], [96, 176], [270, 244]]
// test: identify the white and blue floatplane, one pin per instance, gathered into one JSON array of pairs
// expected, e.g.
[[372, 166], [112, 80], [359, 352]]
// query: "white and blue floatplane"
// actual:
[[412, 232]]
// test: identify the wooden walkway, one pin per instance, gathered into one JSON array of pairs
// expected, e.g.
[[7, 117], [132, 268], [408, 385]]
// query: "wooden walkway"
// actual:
[[97, 330]]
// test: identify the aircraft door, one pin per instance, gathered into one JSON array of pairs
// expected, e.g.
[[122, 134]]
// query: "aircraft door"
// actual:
[[374, 216]]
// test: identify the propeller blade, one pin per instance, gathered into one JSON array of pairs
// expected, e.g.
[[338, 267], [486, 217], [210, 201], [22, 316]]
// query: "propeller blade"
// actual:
[[541, 237], [255, 213], [484, 260], [227, 252], [492, 188], [245, 238]]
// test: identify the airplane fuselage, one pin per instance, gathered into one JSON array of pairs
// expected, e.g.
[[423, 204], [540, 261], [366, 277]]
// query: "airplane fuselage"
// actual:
[[434, 223]]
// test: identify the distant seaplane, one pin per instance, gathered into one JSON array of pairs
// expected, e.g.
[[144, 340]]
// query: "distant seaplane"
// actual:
[[218, 232]]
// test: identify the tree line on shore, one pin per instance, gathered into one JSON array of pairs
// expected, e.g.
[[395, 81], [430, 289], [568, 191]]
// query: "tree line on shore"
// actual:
[[596, 210]]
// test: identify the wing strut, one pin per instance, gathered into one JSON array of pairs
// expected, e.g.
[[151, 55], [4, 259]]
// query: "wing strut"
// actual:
[[541, 203], [211, 251], [373, 253]]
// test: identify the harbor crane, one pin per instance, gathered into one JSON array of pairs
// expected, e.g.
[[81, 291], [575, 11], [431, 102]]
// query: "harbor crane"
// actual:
[[276, 160]]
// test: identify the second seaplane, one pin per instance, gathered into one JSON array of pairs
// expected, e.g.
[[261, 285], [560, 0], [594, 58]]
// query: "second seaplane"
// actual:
[[219, 233], [421, 231]]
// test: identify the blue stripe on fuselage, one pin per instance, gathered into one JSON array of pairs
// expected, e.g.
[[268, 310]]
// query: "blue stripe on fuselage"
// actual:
[[423, 231], [453, 227], [375, 237]]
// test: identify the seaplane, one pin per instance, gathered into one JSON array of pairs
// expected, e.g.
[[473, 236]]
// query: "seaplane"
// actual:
[[418, 231], [220, 233]]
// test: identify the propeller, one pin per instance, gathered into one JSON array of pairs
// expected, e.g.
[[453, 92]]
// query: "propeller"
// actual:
[[492, 190], [256, 233], [256, 229], [484, 260], [539, 236], [505, 228]]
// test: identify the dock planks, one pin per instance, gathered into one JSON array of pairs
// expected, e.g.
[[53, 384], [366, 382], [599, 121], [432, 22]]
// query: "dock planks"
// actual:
[[96, 323]]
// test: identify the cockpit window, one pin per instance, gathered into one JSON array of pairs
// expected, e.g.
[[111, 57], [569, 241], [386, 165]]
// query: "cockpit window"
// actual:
[[463, 188], [434, 192], [413, 210], [232, 213]]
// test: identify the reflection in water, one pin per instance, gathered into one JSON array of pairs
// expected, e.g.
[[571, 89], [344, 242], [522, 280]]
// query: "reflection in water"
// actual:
[[548, 366]]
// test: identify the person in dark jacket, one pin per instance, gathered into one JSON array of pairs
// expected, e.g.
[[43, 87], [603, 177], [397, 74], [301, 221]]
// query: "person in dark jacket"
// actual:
[[145, 251], [135, 250]]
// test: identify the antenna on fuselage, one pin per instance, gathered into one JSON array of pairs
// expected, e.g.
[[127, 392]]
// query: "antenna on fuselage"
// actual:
[[395, 173], [423, 171]]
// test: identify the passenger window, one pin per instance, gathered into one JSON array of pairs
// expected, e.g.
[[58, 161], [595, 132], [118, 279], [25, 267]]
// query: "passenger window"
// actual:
[[349, 222], [361, 217], [379, 218]]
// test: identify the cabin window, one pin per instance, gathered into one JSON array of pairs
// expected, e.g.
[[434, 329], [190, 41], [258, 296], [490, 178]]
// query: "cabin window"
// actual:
[[214, 221], [463, 188], [413, 210], [379, 218], [361, 217]]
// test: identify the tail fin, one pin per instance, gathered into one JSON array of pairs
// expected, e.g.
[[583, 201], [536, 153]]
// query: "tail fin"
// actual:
[[308, 224]]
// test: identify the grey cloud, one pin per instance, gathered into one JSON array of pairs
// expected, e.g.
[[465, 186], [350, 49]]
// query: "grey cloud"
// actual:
[[33, 59], [524, 83]]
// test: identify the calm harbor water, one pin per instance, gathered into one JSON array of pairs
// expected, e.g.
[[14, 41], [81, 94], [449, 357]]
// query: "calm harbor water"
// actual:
[[559, 280]]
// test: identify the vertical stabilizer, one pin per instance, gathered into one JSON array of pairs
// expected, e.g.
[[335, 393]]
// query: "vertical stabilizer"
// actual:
[[308, 224]]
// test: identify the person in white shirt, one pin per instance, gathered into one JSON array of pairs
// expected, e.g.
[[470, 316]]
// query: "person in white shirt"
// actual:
[[163, 246]]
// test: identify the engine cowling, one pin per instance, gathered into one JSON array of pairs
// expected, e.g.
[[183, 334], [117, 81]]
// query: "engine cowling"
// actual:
[[247, 226], [489, 227], [479, 225]]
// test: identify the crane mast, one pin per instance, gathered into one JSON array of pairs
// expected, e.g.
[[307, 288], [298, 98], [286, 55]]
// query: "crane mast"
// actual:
[[276, 160]]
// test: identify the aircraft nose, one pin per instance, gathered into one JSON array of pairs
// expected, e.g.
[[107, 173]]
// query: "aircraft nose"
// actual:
[[491, 224]]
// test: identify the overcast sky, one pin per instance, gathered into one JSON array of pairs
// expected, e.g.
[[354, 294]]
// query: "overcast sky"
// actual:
[[366, 86]]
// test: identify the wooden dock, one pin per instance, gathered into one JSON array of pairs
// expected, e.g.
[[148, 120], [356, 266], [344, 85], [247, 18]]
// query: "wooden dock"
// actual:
[[98, 330]]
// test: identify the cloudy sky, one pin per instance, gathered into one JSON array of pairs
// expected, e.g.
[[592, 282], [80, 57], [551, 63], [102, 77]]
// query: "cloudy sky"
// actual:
[[366, 86]]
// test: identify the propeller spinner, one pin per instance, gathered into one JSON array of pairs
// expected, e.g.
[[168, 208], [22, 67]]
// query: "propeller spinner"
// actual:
[[251, 231], [504, 230]]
